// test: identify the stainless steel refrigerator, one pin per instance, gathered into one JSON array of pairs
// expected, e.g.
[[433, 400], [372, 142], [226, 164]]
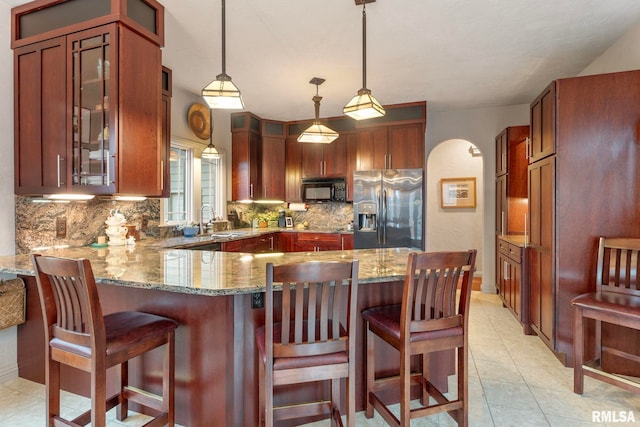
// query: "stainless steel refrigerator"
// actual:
[[388, 208]]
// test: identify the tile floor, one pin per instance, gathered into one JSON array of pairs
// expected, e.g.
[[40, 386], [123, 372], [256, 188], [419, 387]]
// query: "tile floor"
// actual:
[[514, 380]]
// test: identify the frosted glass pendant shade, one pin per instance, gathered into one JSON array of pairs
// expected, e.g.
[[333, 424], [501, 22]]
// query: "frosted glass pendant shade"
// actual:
[[319, 134], [223, 94], [363, 106]]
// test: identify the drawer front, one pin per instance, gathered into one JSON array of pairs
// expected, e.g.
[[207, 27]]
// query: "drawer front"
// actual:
[[320, 239], [503, 247], [515, 253]]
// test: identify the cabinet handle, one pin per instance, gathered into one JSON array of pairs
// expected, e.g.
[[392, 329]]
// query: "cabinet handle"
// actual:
[[525, 231], [321, 168], [528, 147], [271, 243], [390, 162], [161, 174], [342, 242], [385, 161], [58, 168], [502, 223], [108, 170], [506, 271], [251, 191]]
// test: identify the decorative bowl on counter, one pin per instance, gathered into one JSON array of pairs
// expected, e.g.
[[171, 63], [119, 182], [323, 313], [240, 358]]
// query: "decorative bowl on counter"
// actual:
[[190, 231]]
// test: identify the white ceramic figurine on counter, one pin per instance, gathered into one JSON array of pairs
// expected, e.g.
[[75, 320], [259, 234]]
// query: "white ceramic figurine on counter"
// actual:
[[115, 229]]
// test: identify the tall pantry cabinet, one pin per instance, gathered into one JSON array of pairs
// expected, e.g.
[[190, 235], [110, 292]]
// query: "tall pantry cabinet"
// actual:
[[584, 168]]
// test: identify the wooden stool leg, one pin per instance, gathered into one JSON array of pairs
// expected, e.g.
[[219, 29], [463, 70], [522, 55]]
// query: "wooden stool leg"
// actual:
[[463, 385], [99, 396], [169, 379], [405, 388], [578, 351], [370, 369], [122, 411], [53, 389]]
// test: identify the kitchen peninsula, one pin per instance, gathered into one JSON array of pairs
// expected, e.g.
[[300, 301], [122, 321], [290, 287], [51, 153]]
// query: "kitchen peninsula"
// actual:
[[211, 295]]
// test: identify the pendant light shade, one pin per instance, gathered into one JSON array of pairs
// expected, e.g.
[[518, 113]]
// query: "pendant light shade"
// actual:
[[364, 105], [318, 133], [222, 93], [210, 151]]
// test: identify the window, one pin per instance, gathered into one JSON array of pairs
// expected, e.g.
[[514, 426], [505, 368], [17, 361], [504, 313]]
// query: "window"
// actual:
[[178, 206], [211, 186], [194, 183]]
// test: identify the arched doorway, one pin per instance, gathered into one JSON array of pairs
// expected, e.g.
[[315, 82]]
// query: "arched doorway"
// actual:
[[458, 228]]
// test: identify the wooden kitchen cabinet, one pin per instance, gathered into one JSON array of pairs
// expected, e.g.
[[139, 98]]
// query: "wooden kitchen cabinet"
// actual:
[[511, 180], [314, 242], [88, 80], [166, 129], [512, 281], [324, 159], [40, 142], [542, 143], [293, 170], [273, 160], [541, 248], [246, 157], [259, 244], [394, 141], [579, 193]]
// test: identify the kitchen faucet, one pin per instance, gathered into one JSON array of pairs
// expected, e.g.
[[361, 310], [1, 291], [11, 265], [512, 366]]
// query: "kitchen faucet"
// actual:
[[205, 206]]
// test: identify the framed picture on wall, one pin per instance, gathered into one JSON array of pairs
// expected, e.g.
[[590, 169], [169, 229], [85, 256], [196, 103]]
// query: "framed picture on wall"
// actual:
[[458, 192]]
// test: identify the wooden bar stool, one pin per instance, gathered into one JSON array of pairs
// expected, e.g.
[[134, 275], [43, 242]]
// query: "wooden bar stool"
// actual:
[[311, 337], [616, 300], [428, 320], [78, 335]]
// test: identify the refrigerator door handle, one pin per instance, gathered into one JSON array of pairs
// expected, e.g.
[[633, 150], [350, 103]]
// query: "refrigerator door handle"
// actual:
[[384, 217], [378, 218]]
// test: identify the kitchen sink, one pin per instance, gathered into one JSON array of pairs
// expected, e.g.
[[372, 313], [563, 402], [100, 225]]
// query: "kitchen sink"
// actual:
[[229, 234]]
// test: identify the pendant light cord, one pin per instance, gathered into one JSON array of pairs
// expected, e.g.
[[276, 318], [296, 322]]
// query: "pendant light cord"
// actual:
[[364, 45], [224, 32]]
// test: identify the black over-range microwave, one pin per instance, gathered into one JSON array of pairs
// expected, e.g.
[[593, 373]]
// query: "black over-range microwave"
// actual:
[[316, 190]]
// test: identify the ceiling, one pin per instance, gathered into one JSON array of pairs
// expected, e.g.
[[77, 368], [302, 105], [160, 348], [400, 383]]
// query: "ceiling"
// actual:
[[455, 54]]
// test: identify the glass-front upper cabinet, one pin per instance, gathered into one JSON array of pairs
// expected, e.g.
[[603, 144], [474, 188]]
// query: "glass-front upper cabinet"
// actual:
[[93, 89]]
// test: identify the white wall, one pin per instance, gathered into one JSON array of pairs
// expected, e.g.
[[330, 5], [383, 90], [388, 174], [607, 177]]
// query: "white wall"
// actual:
[[457, 228], [8, 343], [623, 55], [479, 126]]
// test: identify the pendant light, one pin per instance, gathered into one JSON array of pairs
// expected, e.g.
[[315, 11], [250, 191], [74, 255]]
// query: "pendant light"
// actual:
[[364, 105], [317, 132], [222, 93], [210, 151]]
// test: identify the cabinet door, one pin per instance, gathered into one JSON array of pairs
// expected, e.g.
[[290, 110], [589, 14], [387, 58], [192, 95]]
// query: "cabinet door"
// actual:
[[273, 166], [543, 125], [501, 153], [165, 134], [312, 160], [93, 85], [335, 157], [40, 108], [372, 148], [347, 242], [351, 148], [293, 170], [405, 146], [541, 267], [246, 171], [501, 205]]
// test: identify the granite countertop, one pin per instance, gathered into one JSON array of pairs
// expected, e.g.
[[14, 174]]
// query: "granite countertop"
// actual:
[[515, 239], [147, 265], [237, 234]]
